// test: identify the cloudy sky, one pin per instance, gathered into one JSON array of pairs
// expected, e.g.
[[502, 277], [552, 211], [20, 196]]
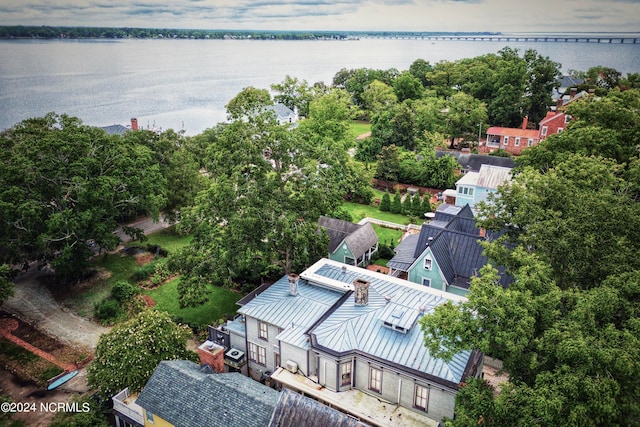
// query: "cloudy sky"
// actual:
[[402, 15]]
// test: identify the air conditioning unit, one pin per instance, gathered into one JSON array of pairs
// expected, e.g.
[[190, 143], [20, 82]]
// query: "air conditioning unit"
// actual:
[[292, 366]]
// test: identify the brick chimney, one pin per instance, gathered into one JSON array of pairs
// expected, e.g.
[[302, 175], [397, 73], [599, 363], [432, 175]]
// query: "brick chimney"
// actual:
[[212, 354], [525, 122], [574, 91], [361, 291], [134, 123]]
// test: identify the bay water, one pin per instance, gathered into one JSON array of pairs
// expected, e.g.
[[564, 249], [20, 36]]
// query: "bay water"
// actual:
[[185, 84]]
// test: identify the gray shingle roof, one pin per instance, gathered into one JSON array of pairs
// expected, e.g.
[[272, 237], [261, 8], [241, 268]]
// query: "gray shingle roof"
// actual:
[[473, 162], [404, 253], [182, 394], [295, 410], [359, 238], [115, 129]]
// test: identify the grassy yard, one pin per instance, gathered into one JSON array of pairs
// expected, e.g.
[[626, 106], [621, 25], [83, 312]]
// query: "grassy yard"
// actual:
[[388, 235], [357, 128], [359, 212], [119, 267], [221, 302]]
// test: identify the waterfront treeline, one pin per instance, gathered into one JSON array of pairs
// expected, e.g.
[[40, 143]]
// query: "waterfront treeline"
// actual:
[[47, 32]]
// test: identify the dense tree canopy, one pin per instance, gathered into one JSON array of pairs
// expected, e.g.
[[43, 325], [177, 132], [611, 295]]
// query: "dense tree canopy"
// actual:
[[128, 354], [568, 326], [63, 184], [269, 184]]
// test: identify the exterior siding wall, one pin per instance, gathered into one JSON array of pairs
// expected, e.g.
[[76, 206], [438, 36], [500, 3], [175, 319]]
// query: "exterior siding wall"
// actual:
[[340, 253], [295, 354], [256, 370], [157, 421], [441, 402], [418, 272], [328, 372]]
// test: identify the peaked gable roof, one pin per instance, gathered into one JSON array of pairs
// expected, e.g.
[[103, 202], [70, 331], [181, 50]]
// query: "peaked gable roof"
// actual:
[[493, 176], [183, 394], [359, 238], [472, 162]]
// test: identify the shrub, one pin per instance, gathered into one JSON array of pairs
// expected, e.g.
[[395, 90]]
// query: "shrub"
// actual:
[[385, 203], [123, 291], [385, 252], [341, 213], [108, 311], [143, 273]]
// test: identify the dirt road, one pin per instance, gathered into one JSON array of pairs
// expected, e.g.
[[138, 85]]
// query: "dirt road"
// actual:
[[34, 304]]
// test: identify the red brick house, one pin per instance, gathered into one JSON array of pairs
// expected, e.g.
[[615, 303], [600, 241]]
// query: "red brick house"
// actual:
[[512, 140]]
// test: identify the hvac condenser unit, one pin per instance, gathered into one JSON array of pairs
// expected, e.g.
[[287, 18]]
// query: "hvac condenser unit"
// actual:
[[292, 366]]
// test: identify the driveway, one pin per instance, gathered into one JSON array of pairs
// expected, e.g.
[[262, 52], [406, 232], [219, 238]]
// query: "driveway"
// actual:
[[34, 304]]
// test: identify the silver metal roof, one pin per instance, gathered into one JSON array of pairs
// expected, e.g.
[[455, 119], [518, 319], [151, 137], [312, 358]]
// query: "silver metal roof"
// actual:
[[352, 327]]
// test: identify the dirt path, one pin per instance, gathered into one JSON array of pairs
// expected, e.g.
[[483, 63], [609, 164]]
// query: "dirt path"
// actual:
[[34, 304]]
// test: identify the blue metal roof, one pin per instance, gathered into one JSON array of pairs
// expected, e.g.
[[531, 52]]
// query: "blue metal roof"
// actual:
[[351, 327], [277, 307]]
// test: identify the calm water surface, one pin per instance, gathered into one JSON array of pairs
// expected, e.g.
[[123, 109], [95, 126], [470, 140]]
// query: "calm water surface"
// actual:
[[185, 84]]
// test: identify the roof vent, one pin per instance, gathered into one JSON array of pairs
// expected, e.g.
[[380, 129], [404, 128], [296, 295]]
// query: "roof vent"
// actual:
[[387, 298], [293, 284], [361, 291]]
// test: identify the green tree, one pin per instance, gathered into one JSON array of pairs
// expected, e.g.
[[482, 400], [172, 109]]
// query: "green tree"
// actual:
[[127, 355], [269, 184], [542, 76], [6, 283], [385, 203], [249, 102], [463, 115], [295, 94], [396, 204], [419, 69], [388, 165], [407, 86], [63, 184], [377, 97]]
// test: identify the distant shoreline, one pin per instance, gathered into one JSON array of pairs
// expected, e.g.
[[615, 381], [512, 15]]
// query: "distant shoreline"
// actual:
[[18, 32]]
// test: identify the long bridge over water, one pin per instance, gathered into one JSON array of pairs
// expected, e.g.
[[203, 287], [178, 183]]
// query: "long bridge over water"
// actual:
[[518, 38]]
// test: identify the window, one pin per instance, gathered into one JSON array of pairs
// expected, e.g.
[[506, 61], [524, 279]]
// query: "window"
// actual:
[[517, 141], [375, 380], [506, 140], [530, 142], [257, 354], [543, 132], [460, 190], [149, 417], [426, 282], [349, 261], [560, 130], [471, 191], [427, 263], [263, 330], [345, 373], [567, 118], [421, 397]]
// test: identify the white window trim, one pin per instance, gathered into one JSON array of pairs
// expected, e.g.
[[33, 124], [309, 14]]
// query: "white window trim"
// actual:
[[517, 143], [530, 142], [424, 389], [345, 372], [378, 379], [505, 141], [429, 261], [263, 330], [257, 354], [426, 282], [543, 132]]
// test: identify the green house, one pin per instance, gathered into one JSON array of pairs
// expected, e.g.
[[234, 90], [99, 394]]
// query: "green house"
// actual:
[[446, 254], [350, 243]]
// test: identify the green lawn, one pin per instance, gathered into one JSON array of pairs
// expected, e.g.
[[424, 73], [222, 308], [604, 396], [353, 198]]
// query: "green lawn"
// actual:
[[357, 128], [221, 302], [388, 235], [168, 239], [359, 212]]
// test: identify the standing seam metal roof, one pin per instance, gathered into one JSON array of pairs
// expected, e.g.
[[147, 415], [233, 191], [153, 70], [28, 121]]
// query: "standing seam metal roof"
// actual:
[[359, 328]]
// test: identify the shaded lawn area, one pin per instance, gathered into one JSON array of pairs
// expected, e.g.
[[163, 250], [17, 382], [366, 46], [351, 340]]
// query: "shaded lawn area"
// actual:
[[222, 302], [120, 267], [359, 212]]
